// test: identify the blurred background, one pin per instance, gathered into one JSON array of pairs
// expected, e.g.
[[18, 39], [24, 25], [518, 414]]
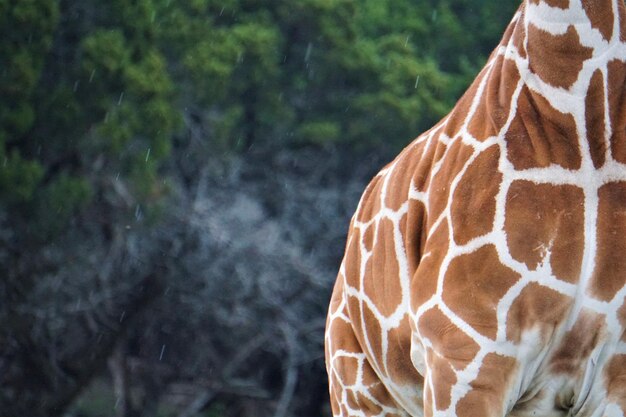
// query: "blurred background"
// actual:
[[176, 182]]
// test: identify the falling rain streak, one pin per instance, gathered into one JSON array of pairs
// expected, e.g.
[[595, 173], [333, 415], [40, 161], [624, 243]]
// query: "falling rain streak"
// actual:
[[162, 352]]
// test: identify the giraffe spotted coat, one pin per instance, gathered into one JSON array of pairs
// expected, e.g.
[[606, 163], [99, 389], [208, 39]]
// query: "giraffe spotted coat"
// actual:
[[485, 268]]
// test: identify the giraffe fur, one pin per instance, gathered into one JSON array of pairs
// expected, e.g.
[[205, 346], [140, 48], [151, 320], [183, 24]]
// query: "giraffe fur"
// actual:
[[485, 266]]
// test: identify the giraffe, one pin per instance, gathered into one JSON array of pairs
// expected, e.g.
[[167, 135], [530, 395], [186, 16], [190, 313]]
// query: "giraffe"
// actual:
[[485, 267]]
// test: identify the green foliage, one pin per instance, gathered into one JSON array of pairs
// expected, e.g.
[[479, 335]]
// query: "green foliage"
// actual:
[[26, 29], [18, 178], [58, 202], [86, 95], [96, 91]]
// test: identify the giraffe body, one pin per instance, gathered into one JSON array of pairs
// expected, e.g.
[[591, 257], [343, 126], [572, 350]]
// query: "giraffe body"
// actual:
[[485, 268]]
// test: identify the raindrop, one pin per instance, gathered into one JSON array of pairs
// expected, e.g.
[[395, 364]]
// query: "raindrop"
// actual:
[[309, 49], [162, 352], [222, 11], [434, 15], [93, 72], [406, 42], [76, 85], [148, 154], [138, 212], [153, 17], [119, 101], [122, 316], [417, 80]]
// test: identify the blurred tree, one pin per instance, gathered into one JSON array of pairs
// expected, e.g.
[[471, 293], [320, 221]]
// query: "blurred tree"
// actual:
[[324, 72], [87, 114], [112, 114]]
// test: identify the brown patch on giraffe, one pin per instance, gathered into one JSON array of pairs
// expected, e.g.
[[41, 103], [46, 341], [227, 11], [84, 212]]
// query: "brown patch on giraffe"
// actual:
[[371, 336], [380, 393], [474, 284], [369, 236], [382, 272], [617, 106], [600, 14], [412, 228], [495, 102], [573, 352], [415, 234], [369, 375], [489, 390], [358, 401], [351, 400], [422, 171], [439, 190], [352, 259], [347, 367], [594, 116], [540, 135], [439, 151], [424, 283], [544, 222], [610, 272], [548, 52], [536, 307], [457, 116], [342, 334], [447, 339], [621, 315], [399, 354], [443, 377], [615, 379], [473, 206], [399, 182], [519, 34], [337, 295], [335, 394], [370, 203]]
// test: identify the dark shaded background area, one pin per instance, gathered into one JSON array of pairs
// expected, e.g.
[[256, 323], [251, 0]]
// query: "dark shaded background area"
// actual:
[[176, 181]]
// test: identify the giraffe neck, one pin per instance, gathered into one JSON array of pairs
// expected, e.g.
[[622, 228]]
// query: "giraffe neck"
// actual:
[[566, 52]]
